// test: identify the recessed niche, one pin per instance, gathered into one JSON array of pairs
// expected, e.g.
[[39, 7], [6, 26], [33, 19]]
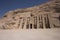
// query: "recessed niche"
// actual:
[[5, 16]]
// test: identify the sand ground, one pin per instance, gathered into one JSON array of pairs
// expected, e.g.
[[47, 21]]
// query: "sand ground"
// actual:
[[30, 34]]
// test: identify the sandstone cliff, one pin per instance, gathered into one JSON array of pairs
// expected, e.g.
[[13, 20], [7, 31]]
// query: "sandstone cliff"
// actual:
[[46, 15]]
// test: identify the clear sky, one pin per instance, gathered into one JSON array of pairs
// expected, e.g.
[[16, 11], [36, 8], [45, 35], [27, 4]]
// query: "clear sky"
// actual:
[[6, 5]]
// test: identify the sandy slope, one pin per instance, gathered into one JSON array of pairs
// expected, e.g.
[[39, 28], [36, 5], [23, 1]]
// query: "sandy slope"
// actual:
[[33, 34]]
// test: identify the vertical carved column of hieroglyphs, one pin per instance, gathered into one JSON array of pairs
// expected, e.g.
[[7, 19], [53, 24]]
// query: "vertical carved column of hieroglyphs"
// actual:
[[27, 25], [35, 22], [40, 21], [47, 21], [43, 18]]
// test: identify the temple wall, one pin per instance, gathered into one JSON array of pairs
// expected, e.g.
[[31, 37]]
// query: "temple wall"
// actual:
[[33, 21]]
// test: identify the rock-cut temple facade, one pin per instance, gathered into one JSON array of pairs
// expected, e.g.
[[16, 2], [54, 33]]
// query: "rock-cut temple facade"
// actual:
[[37, 17]]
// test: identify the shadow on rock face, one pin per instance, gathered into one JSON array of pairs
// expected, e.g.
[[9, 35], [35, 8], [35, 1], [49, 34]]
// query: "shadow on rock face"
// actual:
[[57, 9]]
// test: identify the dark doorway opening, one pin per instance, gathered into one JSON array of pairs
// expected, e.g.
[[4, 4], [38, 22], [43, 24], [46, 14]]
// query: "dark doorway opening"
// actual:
[[30, 26]]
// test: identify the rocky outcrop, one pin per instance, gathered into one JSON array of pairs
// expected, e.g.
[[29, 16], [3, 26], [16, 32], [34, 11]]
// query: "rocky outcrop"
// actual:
[[41, 16]]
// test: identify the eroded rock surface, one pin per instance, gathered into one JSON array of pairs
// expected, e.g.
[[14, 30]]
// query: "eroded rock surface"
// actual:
[[46, 15]]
